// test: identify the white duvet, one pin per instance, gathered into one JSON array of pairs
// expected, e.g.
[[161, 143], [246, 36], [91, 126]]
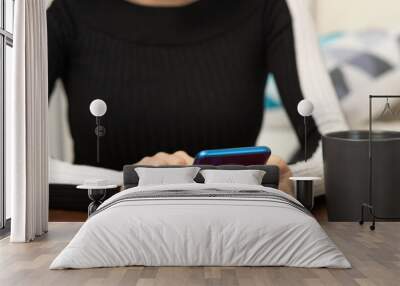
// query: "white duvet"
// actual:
[[200, 231]]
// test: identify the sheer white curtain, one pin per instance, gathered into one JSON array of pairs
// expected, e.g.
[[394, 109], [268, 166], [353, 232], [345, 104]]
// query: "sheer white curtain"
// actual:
[[26, 119]]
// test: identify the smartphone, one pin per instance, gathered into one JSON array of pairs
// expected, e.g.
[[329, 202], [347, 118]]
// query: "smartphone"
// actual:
[[234, 156]]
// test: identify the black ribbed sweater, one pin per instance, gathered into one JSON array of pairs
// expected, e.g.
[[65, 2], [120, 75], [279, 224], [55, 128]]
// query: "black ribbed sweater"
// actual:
[[183, 78]]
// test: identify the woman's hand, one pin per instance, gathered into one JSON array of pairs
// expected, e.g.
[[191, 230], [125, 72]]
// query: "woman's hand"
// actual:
[[285, 184], [182, 158], [166, 159]]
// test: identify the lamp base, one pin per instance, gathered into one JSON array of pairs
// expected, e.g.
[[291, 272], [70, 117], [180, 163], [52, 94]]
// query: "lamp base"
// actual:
[[304, 190]]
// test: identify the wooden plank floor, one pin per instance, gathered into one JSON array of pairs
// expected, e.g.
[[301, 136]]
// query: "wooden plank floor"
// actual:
[[375, 257]]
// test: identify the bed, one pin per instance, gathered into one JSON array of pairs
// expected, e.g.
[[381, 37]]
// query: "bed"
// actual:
[[201, 224]]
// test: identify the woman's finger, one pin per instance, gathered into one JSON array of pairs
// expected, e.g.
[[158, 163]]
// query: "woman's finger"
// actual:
[[176, 160], [152, 161], [165, 159], [169, 159], [188, 160]]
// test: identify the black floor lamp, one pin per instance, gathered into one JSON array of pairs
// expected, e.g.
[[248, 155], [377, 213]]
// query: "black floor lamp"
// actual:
[[304, 185], [97, 188]]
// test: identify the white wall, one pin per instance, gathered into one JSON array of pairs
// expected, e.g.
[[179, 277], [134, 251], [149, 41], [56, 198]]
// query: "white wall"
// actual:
[[333, 15]]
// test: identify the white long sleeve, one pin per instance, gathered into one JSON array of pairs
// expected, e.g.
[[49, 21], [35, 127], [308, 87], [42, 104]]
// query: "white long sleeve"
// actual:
[[66, 173], [316, 86]]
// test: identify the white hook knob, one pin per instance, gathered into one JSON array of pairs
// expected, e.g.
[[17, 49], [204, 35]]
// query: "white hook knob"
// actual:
[[305, 108], [98, 107]]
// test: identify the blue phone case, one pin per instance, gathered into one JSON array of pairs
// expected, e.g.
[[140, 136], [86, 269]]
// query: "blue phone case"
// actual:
[[234, 156]]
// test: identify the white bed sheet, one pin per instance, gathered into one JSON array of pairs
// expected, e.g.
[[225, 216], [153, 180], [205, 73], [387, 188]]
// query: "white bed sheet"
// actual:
[[200, 232]]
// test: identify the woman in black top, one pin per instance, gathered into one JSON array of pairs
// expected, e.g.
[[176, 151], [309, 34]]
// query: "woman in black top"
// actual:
[[189, 76]]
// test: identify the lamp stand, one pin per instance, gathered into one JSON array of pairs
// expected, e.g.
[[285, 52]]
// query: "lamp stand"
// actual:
[[305, 138], [100, 131]]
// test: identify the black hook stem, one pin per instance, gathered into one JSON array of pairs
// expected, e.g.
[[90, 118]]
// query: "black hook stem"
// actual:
[[305, 138], [98, 139]]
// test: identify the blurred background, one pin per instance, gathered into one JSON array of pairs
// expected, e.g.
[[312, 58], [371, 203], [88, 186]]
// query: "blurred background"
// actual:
[[360, 42]]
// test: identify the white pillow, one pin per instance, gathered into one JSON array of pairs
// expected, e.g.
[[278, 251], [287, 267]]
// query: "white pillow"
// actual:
[[166, 176], [246, 177]]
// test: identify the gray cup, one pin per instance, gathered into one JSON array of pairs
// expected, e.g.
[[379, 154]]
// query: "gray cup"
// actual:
[[346, 168]]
